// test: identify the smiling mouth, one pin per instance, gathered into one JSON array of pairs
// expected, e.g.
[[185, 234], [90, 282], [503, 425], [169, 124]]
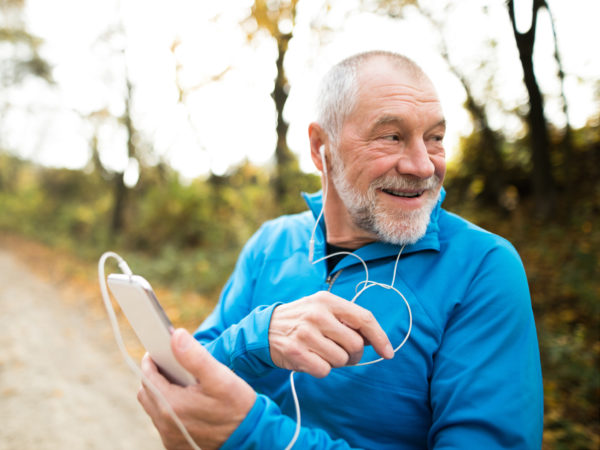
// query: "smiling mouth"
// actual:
[[403, 194]]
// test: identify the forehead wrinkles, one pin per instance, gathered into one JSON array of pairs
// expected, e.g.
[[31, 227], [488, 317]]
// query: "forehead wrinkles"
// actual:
[[398, 109], [383, 89], [408, 93]]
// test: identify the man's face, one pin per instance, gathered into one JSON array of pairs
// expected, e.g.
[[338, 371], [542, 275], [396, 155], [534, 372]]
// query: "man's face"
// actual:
[[390, 162]]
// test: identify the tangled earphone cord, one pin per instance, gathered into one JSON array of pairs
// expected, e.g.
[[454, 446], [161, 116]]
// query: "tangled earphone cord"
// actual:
[[367, 284]]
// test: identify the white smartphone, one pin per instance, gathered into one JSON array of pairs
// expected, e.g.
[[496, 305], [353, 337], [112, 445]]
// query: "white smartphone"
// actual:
[[150, 323]]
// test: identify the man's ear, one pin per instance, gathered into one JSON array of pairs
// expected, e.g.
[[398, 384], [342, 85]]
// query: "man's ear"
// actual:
[[318, 140]]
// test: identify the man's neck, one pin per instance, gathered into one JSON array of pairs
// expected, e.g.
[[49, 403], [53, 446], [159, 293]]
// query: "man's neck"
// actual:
[[341, 230], [353, 243]]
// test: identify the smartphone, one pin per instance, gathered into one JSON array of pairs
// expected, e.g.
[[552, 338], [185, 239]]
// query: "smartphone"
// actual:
[[150, 323]]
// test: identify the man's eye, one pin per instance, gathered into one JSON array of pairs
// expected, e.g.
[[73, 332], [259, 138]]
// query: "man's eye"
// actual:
[[392, 137]]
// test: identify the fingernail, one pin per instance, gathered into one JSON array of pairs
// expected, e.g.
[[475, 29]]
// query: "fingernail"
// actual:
[[182, 339], [389, 350]]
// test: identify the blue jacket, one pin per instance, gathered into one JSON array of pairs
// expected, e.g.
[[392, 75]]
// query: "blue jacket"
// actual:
[[468, 377]]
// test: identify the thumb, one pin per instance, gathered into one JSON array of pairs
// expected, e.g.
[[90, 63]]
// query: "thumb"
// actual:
[[194, 357]]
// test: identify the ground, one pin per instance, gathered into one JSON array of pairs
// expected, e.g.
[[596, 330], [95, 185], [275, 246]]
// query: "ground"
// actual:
[[63, 383]]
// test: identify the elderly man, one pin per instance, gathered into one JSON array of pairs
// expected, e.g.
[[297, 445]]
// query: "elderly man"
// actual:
[[439, 305]]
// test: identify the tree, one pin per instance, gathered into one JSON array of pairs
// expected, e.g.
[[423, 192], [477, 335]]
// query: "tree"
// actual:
[[567, 140], [544, 189], [24, 58], [277, 18], [21, 61], [120, 192], [125, 120]]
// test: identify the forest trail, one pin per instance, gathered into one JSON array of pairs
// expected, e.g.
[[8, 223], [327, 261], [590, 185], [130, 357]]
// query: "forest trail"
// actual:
[[63, 383]]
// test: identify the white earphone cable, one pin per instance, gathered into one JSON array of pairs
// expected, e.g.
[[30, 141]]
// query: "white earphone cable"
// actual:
[[118, 337], [311, 243], [367, 284]]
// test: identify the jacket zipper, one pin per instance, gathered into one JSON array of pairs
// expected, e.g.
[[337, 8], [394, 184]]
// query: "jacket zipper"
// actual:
[[331, 279]]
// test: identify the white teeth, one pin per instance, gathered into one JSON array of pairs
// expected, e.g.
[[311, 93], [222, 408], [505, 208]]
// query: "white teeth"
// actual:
[[402, 194]]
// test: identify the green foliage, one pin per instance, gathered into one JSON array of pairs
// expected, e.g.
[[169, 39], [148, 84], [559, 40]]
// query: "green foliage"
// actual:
[[21, 57], [185, 235]]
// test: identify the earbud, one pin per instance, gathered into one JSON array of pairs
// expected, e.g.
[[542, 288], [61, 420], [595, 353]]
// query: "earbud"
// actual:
[[322, 152]]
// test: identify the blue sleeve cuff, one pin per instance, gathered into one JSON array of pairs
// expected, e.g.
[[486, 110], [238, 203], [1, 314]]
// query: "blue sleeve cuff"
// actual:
[[241, 437], [244, 347]]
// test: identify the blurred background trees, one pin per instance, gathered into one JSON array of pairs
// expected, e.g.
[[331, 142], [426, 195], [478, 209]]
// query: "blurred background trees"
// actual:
[[21, 56], [519, 171], [277, 19]]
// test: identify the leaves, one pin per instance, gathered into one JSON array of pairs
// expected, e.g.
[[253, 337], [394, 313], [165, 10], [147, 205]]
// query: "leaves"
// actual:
[[23, 57], [276, 17]]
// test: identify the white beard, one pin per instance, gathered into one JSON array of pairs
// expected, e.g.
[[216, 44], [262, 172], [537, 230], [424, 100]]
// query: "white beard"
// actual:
[[393, 226]]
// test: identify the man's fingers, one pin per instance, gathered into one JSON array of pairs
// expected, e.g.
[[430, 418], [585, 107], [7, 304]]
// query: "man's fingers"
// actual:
[[347, 338], [148, 366], [145, 396], [314, 365], [330, 350], [150, 371], [147, 400], [363, 321], [322, 331]]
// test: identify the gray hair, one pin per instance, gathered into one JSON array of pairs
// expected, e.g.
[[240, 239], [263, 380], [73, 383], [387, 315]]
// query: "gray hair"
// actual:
[[338, 90]]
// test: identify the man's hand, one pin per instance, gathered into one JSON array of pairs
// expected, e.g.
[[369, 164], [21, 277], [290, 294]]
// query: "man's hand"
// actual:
[[210, 410], [322, 331]]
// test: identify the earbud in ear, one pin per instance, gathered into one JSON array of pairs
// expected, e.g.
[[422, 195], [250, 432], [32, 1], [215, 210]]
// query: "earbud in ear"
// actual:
[[322, 152]]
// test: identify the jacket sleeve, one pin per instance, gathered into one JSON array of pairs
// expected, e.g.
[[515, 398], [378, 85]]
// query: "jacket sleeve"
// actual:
[[266, 427], [236, 334], [486, 385]]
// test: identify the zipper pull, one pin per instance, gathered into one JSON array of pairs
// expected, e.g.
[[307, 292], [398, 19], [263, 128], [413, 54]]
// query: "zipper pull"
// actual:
[[331, 279]]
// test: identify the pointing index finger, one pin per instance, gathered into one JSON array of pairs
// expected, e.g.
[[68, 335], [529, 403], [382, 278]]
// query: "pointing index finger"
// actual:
[[363, 321]]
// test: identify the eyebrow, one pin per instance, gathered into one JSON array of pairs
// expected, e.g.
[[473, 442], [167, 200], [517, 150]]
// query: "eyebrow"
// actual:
[[387, 119], [441, 123]]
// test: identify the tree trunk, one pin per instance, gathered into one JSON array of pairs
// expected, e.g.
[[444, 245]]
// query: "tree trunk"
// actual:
[[284, 158], [566, 144], [542, 180], [119, 194], [121, 191]]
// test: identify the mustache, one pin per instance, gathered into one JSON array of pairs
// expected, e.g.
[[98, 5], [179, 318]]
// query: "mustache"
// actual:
[[406, 182]]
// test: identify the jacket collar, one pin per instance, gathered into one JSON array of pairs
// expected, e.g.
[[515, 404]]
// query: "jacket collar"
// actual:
[[375, 250]]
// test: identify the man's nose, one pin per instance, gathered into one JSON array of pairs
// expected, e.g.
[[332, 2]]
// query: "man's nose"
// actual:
[[415, 160]]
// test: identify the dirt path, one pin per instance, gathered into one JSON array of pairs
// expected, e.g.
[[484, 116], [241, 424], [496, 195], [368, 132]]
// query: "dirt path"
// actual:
[[63, 384]]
